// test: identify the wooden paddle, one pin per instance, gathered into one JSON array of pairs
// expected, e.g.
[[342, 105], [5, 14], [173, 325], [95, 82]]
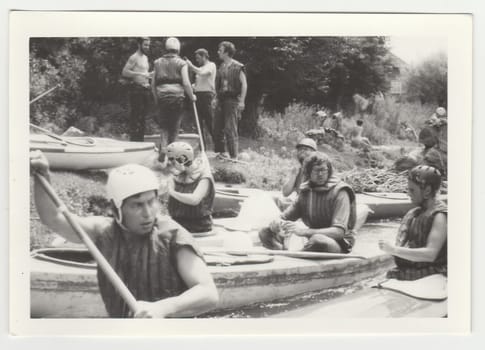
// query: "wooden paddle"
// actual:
[[231, 194], [291, 254], [100, 259], [199, 130]]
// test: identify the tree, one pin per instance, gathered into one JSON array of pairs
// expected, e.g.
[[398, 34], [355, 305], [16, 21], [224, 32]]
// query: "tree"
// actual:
[[427, 82], [315, 70]]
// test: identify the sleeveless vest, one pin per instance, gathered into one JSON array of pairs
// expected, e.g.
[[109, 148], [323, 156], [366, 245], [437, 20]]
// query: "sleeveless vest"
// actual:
[[168, 75], [145, 263], [413, 233], [317, 206], [194, 218], [228, 83]]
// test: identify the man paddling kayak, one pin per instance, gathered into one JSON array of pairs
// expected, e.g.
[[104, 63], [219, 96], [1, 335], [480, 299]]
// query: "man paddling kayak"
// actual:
[[154, 256], [420, 249], [327, 208], [191, 190]]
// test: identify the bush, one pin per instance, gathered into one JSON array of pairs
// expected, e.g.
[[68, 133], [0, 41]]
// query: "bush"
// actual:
[[382, 126], [60, 107], [290, 126]]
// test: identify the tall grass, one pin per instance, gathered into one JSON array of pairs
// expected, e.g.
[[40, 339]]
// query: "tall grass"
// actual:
[[289, 126], [381, 126]]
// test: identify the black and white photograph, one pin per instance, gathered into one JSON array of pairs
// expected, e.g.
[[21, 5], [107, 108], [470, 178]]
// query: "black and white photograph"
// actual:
[[258, 174]]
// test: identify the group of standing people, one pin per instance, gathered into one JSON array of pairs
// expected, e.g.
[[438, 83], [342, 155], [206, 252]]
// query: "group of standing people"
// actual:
[[217, 94]]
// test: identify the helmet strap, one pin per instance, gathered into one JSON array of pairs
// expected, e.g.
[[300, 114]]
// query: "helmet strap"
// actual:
[[117, 213]]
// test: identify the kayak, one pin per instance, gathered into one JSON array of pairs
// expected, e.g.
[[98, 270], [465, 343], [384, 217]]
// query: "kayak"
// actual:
[[382, 205], [83, 153], [63, 281], [426, 297]]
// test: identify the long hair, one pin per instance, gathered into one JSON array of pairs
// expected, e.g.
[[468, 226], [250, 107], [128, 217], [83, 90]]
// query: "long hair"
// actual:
[[316, 158], [425, 175]]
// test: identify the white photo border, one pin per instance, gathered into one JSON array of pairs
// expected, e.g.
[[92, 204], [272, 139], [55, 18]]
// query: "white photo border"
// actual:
[[458, 30]]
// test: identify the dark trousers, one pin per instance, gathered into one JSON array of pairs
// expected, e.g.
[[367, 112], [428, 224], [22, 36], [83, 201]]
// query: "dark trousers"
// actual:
[[205, 110], [171, 110], [225, 126], [139, 104]]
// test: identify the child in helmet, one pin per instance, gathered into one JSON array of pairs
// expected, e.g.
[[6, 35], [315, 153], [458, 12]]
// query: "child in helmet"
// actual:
[[154, 256], [191, 190], [421, 244]]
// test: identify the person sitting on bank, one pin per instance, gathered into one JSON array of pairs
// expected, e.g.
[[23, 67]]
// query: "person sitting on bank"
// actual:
[[431, 155], [303, 149], [421, 244], [439, 124], [357, 140], [155, 257], [191, 190], [327, 208]]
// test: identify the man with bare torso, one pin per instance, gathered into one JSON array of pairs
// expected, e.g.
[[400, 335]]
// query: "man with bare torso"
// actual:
[[136, 70]]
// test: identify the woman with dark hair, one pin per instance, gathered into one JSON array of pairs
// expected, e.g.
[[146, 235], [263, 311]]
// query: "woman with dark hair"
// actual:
[[326, 205], [420, 249]]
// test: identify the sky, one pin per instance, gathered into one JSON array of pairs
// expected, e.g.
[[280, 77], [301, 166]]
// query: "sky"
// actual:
[[413, 50]]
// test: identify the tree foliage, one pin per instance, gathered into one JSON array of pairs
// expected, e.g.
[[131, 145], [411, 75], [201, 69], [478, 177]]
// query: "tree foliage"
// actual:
[[427, 82], [314, 70]]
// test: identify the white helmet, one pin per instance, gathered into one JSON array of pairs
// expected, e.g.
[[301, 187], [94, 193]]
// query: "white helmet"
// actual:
[[182, 152], [128, 180], [172, 44], [440, 111]]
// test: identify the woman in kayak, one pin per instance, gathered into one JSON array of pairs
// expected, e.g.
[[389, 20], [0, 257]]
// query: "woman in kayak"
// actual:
[[191, 189], [421, 244], [327, 208]]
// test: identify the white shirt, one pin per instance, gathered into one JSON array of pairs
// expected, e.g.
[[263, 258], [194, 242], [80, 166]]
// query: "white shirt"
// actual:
[[205, 81]]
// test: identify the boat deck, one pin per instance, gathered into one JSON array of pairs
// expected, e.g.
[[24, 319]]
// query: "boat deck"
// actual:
[[64, 290]]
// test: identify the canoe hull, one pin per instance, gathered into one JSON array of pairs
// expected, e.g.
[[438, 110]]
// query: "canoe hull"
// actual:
[[64, 291], [105, 154], [382, 205]]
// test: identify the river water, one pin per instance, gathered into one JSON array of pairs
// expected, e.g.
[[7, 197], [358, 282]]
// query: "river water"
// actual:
[[366, 244]]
